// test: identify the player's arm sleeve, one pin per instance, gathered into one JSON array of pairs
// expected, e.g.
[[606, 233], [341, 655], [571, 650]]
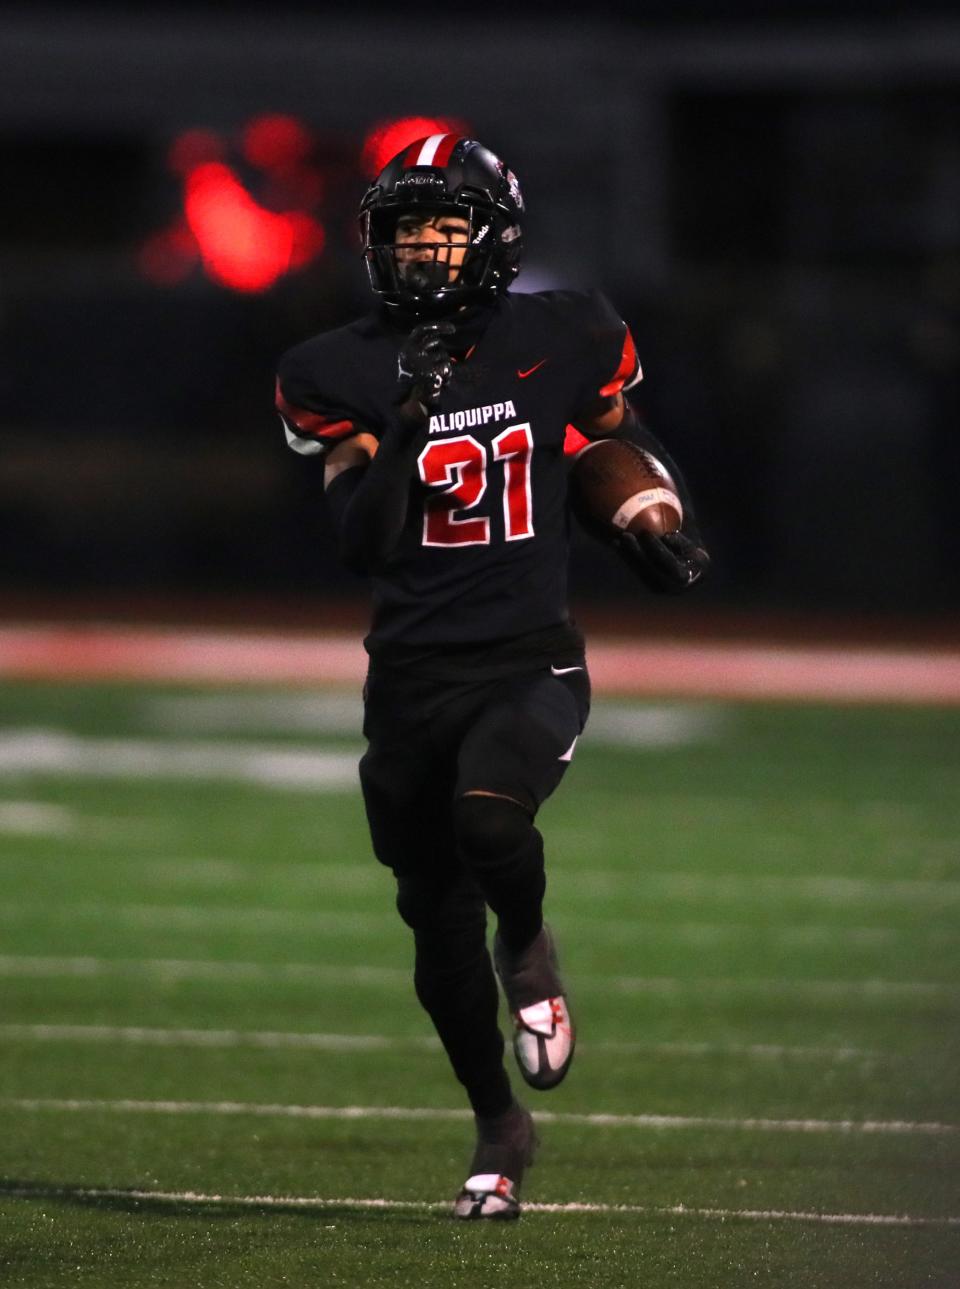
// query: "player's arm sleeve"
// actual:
[[369, 503]]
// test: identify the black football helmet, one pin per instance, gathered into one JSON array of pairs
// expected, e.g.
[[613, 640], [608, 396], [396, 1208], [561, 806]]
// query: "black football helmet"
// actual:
[[444, 175]]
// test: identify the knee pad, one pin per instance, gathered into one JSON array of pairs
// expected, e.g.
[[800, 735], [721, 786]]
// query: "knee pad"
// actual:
[[504, 852], [488, 829], [500, 846]]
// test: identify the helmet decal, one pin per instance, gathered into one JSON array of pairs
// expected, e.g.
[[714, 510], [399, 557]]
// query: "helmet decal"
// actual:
[[513, 184]]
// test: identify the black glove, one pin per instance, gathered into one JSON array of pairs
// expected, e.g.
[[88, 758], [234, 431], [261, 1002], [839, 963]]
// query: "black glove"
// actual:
[[424, 368], [669, 564]]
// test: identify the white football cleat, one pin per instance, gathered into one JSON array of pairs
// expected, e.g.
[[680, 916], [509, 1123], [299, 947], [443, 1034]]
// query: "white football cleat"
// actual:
[[543, 1031], [543, 1041], [505, 1148], [488, 1195]]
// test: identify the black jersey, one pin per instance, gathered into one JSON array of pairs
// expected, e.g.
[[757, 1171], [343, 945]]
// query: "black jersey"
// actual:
[[483, 553]]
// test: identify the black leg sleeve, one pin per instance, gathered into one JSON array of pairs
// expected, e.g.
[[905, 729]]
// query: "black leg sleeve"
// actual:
[[455, 984], [369, 503]]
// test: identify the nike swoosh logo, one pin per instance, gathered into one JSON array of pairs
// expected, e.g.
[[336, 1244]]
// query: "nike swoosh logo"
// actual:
[[563, 671], [530, 370]]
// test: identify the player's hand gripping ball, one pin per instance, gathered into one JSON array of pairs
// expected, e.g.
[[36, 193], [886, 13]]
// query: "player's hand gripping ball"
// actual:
[[625, 496], [616, 487]]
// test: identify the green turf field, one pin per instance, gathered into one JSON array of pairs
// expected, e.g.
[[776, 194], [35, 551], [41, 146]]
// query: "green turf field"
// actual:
[[200, 969]]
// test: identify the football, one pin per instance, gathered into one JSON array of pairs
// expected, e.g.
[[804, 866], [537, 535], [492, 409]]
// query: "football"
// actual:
[[617, 486]]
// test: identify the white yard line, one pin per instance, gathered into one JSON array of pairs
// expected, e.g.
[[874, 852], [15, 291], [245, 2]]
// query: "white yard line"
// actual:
[[192, 917], [59, 752], [213, 1038], [305, 711], [633, 882], [302, 879], [861, 989], [188, 969], [585, 882], [618, 724], [872, 1127], [138, 1035], [36, 819], [43, 967], [755, 887], [437, 1206]]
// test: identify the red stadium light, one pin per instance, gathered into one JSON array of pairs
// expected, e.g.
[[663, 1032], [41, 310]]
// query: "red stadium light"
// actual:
[[389, 137], [245, 240], [276, 142], [243, 245], [308, 238]]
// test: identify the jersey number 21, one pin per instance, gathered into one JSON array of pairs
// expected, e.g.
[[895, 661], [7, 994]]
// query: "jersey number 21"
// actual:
[[457, 470]]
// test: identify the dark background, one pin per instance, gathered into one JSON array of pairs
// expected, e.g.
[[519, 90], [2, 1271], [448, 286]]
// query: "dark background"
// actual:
[[770, 193]]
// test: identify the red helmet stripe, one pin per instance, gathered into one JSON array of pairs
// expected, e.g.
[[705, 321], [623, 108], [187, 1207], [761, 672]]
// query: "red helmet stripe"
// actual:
[[411, 154], [445, 149], [434, 150]]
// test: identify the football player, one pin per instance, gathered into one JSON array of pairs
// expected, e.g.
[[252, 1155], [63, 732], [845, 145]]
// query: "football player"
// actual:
[[442, 419]]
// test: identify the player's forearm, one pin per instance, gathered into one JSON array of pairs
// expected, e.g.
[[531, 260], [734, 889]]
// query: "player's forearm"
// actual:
[[369, 506], [633, 430], [615, 417], [371, 510]]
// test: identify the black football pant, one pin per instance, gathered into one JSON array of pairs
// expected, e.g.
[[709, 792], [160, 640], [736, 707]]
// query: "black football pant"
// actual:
[[431, 746]]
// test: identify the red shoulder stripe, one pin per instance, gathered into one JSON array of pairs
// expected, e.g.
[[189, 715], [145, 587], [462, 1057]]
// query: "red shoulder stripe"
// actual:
[[312, 425], [574, 442], [629, 366]]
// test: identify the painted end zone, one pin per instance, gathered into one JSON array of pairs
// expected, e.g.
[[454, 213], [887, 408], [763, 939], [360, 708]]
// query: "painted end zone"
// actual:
[[660, 667]]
